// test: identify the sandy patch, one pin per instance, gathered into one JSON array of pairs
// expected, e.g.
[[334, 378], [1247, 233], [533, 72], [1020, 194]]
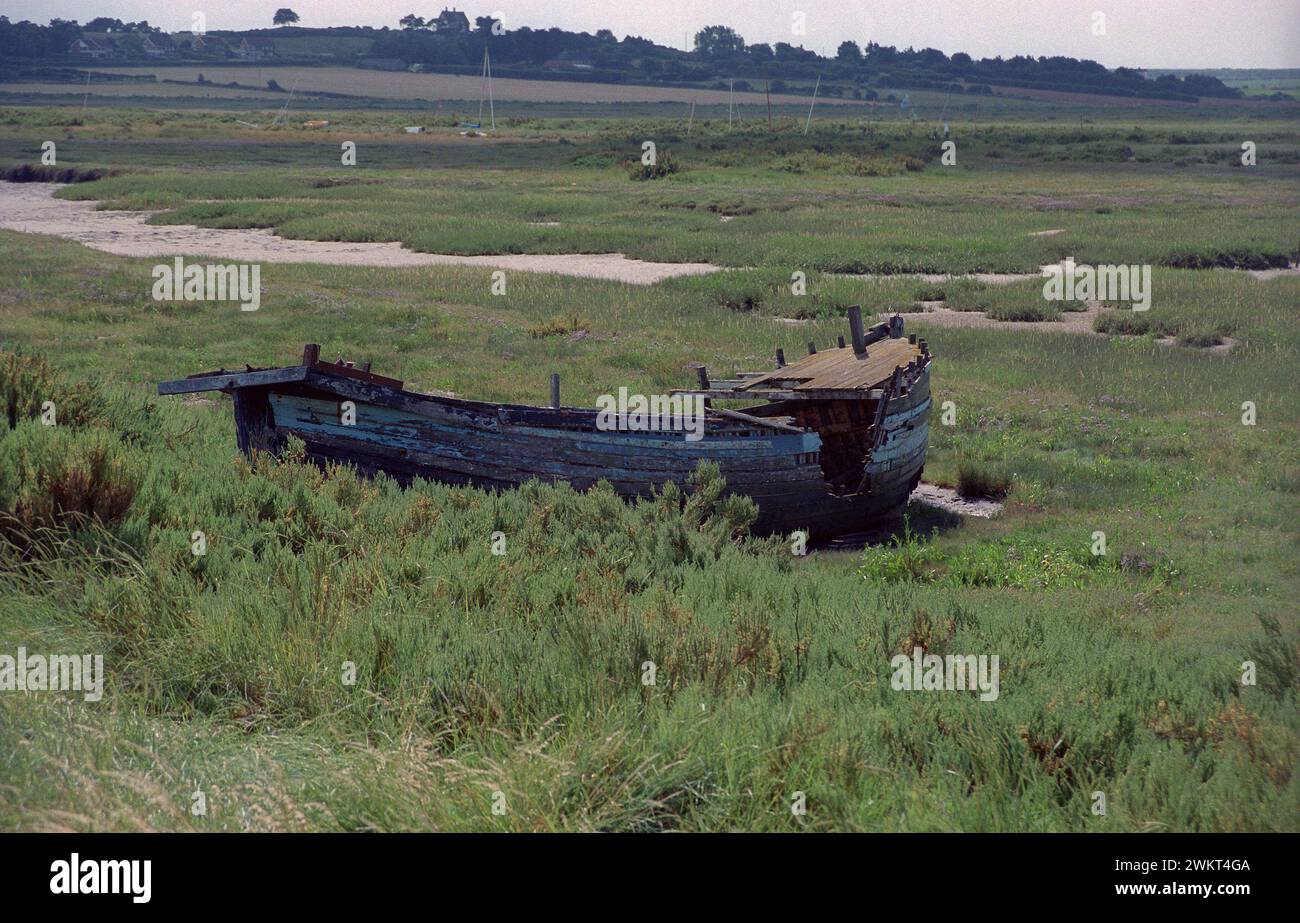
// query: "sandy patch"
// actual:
[[1079, 322], [31, 208], [1265, 274], [1218, 349], [933, 496], [1051, 232], [934, 278], [945, 498], [1009, 278]]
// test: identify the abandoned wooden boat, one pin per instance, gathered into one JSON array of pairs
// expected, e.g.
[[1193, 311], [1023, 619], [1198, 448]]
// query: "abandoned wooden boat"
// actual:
[[837, 443]]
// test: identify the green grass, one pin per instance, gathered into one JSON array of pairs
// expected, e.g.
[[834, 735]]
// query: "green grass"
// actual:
[[981, 215], [522, 673]]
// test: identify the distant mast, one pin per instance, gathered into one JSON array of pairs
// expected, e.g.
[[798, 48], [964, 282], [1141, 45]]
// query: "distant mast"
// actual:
[[486, 89]]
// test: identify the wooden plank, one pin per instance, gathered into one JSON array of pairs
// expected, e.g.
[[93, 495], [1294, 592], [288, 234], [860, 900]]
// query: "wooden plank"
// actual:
[[226, 381]]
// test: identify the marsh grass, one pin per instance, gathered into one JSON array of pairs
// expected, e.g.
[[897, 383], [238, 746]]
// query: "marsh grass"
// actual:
[[522, 673]]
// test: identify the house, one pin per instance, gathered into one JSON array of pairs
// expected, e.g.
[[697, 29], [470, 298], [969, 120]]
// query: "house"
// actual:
[[158, 45], [203, 44], [255, 48], [94, 47], [451, 21]]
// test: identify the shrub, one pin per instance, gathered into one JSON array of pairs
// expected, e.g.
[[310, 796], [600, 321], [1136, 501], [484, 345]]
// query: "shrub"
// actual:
[[559, 325], [1122, 323], [976, 479], [665, 164], [41, 173], [28, 381], [55, 478]]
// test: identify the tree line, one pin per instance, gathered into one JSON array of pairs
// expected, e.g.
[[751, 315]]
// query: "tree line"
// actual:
[[719, 55]]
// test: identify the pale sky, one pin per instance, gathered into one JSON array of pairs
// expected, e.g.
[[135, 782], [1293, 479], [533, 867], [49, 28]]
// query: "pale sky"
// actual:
[[1137, 33]]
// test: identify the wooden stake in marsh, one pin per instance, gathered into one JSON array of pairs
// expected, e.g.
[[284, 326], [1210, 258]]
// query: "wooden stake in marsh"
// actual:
[[855, 329]]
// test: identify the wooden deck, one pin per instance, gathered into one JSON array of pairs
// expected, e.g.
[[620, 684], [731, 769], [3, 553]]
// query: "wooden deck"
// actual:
[[838, 369]]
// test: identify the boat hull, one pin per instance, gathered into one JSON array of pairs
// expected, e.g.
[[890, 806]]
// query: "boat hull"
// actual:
[[499, 447]]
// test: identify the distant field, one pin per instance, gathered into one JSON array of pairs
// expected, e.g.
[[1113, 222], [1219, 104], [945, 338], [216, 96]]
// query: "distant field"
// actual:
[[122, 91], [1253, 82], [402, 85]]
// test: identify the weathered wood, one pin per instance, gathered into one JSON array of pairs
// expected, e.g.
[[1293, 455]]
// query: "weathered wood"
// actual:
[[826, 424], [254, 424], [784, 394], [227, 381], [757, 421], [855, 329], [555, 390]]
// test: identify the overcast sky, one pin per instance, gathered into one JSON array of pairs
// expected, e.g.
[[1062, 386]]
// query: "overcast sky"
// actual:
[[1137, 33]]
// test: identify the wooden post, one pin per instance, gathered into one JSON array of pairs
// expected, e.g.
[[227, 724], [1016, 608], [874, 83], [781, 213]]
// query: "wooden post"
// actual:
[[780, 358], [840, 340], [555, 390], [254, 422], [855, 328], [911, 338], [311, 354], [812, 348], [702, 373]]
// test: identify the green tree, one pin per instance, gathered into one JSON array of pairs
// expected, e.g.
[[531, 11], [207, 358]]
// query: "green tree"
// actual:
[[411, 21], [284, 17], [715, 41], [848, 52]]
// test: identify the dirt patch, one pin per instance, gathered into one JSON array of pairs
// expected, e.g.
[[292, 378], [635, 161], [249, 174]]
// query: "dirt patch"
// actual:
[[945, 498], [1265, 274], [1051, 232], [933, 278], [1079, 322], [929, 504], [1218, 349], [31, 208]]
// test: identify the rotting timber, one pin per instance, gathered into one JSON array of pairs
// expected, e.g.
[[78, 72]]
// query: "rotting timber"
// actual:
[[836, 441]]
